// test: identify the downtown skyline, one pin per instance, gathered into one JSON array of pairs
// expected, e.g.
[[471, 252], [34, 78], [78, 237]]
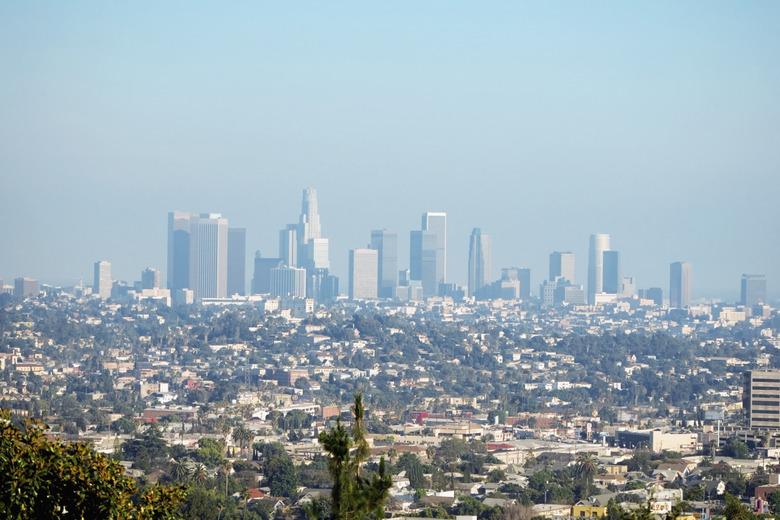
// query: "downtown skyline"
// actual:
[[308, 231], [537, 124]]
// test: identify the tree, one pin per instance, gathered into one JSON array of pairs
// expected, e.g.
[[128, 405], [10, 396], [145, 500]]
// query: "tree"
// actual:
[[496, 475], [147, 450], [774, 501], [410, 463], [737, 449], [354, 495], [586, 470], [210, 451], [282, 476], [44, 479], [736, 510]]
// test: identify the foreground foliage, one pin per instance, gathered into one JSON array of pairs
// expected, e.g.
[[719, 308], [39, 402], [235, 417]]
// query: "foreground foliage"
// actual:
[[355, 496], [52, 479]]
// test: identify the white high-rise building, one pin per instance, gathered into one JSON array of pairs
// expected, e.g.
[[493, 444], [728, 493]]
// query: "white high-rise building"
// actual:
[[480, 261], [288, 282], [310, 216], [562, 264], [436, 222], [208, 256], [102, 281], [318, 253], [313, 249], [598, 244], [363, 274]]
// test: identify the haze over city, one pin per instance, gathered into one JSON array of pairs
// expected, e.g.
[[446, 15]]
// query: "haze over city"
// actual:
[[658, 124]]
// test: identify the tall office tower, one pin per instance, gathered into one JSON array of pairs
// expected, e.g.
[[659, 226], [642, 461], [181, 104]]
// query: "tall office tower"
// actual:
[[313, 249], [261, 279], [423, 255], [178, 274], [288, 282], [26, 287], [598, 244], [322, 286], [761, 399], [386, 245], [208, 256], [288, 245], [524, 275], [102, 282], [310, 217], [151, 278], [656, 294], [363, 274], [436, 222], [562, 264], [628, 287], [611, 278], [679, 285], [753, 289], [480, 261], [317, 254], [236, 259]]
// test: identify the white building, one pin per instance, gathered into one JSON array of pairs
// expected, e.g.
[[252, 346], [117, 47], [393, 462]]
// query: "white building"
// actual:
[[363, 274]]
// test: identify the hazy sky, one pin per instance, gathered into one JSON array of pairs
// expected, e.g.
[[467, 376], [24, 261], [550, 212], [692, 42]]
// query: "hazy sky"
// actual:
[[656, 122]]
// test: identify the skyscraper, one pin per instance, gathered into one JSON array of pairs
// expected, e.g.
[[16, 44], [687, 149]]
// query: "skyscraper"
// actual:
[[363, 268], [628, 287], [309, 223], [288, 282], [524, 275], [288, 245], [480, 261], [761, 399], [178, 274], [436, 222], [753, 289], [322, 286], [562, 264], [236, 259], [679, 285], [599, 243], [386, 245], [150, 278], [317, 253], [26, 287], [656, 294], [313, 249], [611, 278], [423, 255], [261, 279], [208, 256], [101, 285]]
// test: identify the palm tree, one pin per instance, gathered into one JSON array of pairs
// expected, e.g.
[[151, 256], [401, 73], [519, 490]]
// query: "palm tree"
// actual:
[[200, 474], [180, 471], [586, 469]]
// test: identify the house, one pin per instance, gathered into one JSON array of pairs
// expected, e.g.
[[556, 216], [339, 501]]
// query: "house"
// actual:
[[552, 510], [584, 509], [497, 502]]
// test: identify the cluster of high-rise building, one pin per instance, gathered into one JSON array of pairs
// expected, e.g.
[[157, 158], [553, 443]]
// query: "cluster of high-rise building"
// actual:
[[207, 261]]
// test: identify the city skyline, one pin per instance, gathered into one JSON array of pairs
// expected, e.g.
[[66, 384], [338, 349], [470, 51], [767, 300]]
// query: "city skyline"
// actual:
[[540, 124], [240, 274]]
